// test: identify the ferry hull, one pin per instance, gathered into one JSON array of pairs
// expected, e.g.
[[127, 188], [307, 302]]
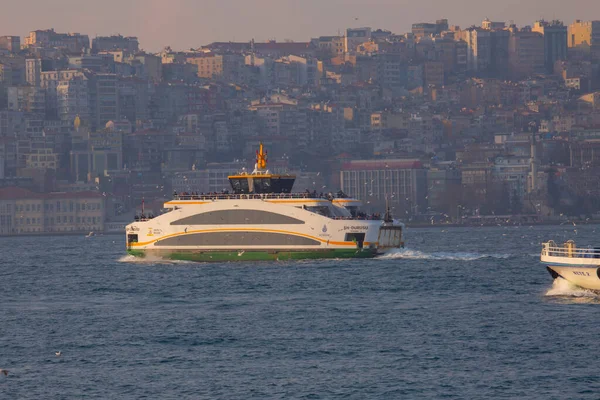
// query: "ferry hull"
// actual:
[[253, 255], [583, 276]]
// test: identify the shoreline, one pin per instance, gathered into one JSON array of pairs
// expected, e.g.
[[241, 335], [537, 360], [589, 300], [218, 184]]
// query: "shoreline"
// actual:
[[455, 225]]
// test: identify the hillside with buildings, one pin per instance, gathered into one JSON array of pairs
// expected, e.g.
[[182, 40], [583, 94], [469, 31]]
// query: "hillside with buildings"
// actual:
[[449, 124]]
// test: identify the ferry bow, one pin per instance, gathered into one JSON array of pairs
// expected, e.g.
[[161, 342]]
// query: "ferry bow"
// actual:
[[580, 266]]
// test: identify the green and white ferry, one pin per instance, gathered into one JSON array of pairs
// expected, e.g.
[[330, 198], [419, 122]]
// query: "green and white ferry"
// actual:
[[262, 219]]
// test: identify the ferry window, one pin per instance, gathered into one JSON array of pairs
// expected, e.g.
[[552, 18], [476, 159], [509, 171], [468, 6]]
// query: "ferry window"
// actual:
[[321, 210], [341, 212], [240, 185], [132, 238], [353, 210], [262, 185], [286, 185], [358, 238]]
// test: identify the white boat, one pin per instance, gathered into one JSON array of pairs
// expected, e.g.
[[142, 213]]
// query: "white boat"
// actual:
[[262, 219], [580, 266]]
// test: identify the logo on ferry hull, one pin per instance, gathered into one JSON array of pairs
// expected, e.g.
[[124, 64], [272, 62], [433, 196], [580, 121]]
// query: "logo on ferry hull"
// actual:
[[324, 228]]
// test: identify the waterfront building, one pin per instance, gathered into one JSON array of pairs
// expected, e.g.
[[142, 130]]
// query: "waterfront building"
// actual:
[[401, 181], [24, 212]]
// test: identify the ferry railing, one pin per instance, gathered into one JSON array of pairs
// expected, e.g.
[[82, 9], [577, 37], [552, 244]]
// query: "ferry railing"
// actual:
[[253, 196], [569, 250]]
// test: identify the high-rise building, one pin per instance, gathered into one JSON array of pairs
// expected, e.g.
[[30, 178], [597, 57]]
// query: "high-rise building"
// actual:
[[355, 37], [33, 71], [479, 52], [584, 40], [499, 61], [105, 94], [73, 99], [115, 42], [555, 42], [424, 29], [10, 43], [492, 26], [29, 99], [584, 33], [209, 65], [71, 42], [525, 53]]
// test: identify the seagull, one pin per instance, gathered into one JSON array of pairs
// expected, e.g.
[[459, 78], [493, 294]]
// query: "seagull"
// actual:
[[241, 252], [58, 353], [4, 371]]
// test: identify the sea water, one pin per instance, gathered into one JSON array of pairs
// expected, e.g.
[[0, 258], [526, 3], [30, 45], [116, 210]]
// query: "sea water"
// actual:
[[461, 313]]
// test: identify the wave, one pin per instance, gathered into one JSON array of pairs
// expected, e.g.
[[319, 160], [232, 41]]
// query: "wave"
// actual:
[[419, 255], [563, 288]]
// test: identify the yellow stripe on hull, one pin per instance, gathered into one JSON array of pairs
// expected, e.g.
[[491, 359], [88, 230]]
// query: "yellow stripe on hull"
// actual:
[[141, 244]]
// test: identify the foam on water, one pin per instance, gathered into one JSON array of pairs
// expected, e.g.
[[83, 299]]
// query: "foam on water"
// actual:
[[453, 256], [564, 288], [128, 258]]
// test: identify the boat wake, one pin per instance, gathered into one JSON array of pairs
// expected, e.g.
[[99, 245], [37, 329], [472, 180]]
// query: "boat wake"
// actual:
[[563, 288], [128, 258], [419, 255]]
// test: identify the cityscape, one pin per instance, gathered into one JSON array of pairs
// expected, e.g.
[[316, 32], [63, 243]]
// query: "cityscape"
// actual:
[[486, 124]]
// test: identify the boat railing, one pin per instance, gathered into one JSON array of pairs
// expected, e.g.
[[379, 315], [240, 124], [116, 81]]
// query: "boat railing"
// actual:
[[252, 196], [569, 250], [143, 218]]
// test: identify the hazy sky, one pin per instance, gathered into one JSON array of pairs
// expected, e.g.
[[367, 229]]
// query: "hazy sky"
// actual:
[[191, 23]]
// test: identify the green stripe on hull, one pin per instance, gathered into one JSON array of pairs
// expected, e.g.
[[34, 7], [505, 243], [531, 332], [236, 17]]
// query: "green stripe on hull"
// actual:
[[260, 255]]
